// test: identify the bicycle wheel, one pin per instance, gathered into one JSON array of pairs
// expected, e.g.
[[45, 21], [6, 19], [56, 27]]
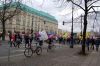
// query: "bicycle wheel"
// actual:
[[28, 52], [38, 50]]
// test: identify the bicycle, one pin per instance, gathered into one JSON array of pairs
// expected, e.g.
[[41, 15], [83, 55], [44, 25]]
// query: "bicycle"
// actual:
[[29, 50], [51, 47]]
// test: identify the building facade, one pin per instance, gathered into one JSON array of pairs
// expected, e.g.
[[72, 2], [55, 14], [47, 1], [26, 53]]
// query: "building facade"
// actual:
[[31, 19]]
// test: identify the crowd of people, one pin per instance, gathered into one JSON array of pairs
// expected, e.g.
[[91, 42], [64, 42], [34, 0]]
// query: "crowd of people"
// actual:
[[27, 38], [17, 38], [93, 42]]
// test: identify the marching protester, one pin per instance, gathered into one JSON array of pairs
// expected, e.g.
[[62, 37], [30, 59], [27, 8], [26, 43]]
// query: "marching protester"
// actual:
[[12, 39], [30, 38], [50, 40], [97, 43], [88, 43], [42, 37], [92, 43], [18, 39], [26, 38]]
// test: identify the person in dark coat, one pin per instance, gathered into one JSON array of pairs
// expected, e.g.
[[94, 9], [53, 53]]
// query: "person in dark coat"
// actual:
[[18, 40], [50, 40], [97, 43], [92, 43], [27, 39], [87, 43], [30, 39]]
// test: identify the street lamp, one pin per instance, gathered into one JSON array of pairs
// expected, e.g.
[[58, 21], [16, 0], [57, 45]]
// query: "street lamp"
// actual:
[[71, 46]]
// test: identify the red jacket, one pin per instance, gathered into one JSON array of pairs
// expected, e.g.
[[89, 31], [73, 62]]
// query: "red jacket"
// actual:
[[12, 37]]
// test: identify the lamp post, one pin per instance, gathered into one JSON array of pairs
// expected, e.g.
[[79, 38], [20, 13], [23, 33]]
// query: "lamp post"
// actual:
[[71, 46]]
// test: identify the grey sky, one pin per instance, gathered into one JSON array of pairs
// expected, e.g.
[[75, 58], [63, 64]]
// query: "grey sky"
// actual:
[[61, 13]]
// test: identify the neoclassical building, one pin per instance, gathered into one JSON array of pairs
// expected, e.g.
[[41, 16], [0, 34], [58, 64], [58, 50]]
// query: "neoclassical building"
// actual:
[[31, 19]]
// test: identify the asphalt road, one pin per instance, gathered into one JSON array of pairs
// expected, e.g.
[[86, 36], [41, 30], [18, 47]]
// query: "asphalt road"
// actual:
[[6, 50]]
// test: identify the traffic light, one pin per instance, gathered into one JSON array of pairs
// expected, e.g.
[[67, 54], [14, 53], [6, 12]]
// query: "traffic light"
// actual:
[[63, 22]]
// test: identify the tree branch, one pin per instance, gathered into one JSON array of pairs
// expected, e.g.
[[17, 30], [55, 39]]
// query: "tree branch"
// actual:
[[94, 10], [15, 12], [77, 5], [6, 13], [92, 7], [96, 6], [93, 2]]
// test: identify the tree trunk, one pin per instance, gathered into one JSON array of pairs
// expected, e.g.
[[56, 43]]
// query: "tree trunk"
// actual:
[[4, 31], [84, 34], [85, 27]]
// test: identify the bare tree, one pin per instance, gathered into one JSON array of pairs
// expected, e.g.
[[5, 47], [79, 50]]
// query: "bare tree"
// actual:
[[86, 6], [8, 9]]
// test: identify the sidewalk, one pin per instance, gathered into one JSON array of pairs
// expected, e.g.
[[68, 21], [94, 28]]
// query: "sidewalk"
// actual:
[[60, 57], [93, 59]]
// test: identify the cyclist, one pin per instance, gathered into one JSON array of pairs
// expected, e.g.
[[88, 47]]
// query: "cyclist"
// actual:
[[40, 41]]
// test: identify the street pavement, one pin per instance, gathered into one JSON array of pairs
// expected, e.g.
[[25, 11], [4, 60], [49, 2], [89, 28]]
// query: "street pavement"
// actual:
[[61, 56], [6, 50]]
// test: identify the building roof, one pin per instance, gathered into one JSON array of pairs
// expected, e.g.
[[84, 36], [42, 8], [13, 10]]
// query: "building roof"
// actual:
[[31, 10], [37, 12]]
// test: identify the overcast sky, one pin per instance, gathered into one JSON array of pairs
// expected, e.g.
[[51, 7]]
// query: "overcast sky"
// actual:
[[61, 13]]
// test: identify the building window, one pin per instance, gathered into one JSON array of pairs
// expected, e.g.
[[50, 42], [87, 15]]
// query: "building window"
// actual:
[[24, 20], [18, 19]]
